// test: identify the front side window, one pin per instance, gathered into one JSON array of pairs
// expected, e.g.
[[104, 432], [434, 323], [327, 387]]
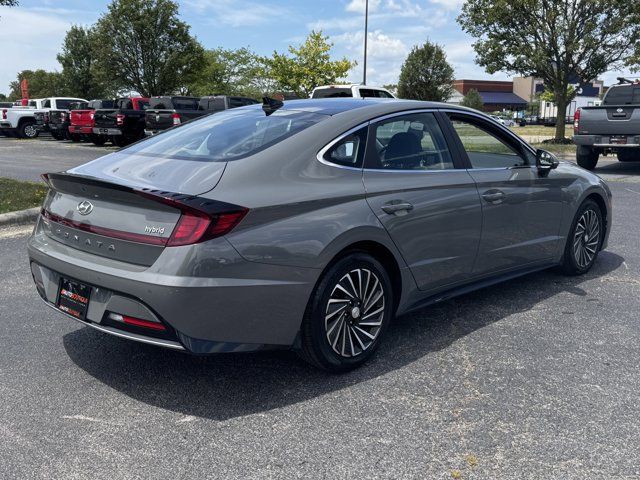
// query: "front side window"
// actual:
[[484, 148], [409, 142], [349, 151], [225, 136]]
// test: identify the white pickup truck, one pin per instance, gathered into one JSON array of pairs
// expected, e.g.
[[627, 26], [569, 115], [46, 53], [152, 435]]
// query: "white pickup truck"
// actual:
[[353, 90], [21, 121]]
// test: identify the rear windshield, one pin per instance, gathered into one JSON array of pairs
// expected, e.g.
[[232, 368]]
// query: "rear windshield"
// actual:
[[227, 135], [373, 93], [627, 95], [64, 104], [332, 93]]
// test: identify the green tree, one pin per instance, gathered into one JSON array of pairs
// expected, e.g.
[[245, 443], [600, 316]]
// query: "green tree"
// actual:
[[41, 84], [426, 74], [78, 62], [306, 67], [231, 72], [142, 45], [555, 40], [8, 3], [472, 100]]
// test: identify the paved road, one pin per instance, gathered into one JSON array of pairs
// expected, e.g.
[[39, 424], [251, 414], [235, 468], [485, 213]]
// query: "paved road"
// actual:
[[535, 378], [28, 159]]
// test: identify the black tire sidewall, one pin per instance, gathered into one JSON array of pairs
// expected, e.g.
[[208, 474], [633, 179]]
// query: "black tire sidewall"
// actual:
[[570, 265], [315, 335]]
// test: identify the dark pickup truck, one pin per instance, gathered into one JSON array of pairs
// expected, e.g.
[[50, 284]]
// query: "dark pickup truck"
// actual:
[[60, 120], [123, 124], [613, 127], [167, 112]]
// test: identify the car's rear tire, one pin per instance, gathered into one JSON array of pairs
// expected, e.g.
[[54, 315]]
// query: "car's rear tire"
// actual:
[[27, 130], [586, 157], [629, 154], [348, 313], [584, 240], [98, 140]]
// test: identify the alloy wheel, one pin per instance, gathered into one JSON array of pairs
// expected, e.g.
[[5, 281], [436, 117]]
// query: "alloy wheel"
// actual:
[[30, 131], [586, 238], [355, 312]]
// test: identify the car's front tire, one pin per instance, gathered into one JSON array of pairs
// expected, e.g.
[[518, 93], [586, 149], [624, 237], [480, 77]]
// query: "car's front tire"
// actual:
[[347, 314], [586, 157], [584, 240]]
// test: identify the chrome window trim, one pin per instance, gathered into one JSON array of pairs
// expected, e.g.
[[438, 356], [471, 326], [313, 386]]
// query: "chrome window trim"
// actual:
[[320, 155]]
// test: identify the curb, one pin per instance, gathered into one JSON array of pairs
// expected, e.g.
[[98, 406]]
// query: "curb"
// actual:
[[20, 217]]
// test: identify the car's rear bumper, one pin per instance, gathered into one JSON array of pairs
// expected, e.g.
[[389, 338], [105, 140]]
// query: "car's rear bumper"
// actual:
[[604, 141], [207, 295], [80, 129], [113, 132]]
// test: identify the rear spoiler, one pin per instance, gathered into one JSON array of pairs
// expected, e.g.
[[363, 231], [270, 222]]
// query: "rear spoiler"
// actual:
[[73, 184]]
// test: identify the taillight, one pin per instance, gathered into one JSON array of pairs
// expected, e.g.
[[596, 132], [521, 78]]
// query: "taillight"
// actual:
[[176, 118], [119, 119], [194, 227], [63, 116], [91, 115], [576, 121], [4, 113]]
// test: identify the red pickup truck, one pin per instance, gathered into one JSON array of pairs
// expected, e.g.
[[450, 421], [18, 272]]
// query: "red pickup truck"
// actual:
[[82, 122]]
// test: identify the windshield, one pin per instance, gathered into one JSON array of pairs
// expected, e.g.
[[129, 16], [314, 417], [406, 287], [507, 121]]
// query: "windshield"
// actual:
[[227, 135]]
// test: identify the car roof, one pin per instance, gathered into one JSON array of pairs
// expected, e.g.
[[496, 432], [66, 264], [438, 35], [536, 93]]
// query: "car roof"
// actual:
[[334, 106]]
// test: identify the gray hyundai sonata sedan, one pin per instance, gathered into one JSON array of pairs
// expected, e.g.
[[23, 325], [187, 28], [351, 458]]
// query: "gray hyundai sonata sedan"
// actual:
[[307, 225]]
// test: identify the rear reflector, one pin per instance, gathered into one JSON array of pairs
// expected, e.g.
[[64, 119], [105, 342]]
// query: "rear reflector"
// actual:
[[136, 322]]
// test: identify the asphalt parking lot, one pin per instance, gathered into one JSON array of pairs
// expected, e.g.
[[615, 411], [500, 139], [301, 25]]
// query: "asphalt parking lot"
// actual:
[[535, 378]]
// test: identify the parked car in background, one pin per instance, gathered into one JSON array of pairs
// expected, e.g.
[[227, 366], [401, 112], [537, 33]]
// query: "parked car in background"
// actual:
[[124, 123], [353, 90], [274, 226], [218, 103], [60, 120], [44, 108], [167, 112], [82, 121], [529, 120], [613, 127], [507, 122], [20, 121]]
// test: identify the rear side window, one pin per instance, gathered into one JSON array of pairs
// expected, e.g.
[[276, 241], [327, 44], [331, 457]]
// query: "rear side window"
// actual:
[[161, 103], [626, 95], [228, 135], [409, 142], [348, 151], [332, 93], [46, 104], [240, 102], [125, 104], [185, 104], [64, 104]]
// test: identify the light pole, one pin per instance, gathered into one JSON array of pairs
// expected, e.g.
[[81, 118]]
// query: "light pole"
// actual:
[[366, 27]]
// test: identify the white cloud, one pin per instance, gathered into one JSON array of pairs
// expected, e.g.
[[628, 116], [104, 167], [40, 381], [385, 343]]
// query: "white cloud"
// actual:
[[448, 4], [358, 6], [31, 40], [236, 13]]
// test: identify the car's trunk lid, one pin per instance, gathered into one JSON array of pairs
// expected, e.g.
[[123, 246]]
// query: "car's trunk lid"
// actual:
[[107, 219], [82, 118], [159, 119], [609, 120]]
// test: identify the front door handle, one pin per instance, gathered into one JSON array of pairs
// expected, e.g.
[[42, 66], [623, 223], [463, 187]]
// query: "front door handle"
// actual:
[[392, 208], [493, 196]]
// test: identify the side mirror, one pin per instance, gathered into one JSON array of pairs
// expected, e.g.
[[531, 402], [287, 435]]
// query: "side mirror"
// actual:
[[546, 161]]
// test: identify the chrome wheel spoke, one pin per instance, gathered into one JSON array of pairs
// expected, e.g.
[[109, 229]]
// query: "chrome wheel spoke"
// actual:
[[354, 313], [586, 238]]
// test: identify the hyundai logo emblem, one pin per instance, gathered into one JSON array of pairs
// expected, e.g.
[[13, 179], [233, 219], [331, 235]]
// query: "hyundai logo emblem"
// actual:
[[85, 208]]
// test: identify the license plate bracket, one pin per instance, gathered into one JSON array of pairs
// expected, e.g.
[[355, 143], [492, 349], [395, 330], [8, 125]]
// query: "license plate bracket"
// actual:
[[618, 140], [73, 298]]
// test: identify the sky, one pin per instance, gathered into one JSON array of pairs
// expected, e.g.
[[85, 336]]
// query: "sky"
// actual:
[[31, 34]]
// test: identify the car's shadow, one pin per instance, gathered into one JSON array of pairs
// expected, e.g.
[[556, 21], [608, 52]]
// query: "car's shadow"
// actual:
[[226, 386], [618, 168]]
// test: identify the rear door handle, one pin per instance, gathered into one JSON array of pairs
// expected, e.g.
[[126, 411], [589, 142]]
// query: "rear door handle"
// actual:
[[392, 208], [493, 196]]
